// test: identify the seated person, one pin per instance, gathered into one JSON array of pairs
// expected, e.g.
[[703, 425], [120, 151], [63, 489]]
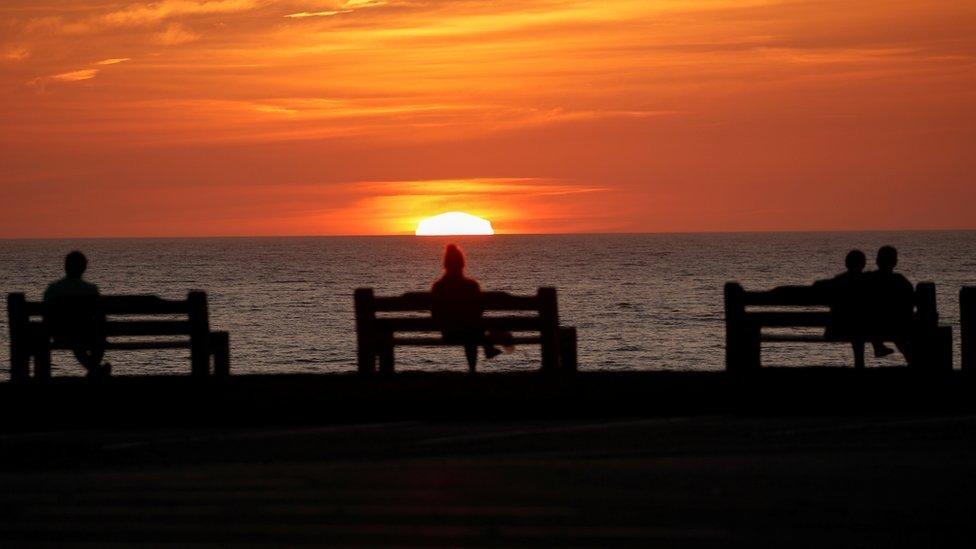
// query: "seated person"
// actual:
[[847, 295], [71, 317], [891, 302], [457, 307]]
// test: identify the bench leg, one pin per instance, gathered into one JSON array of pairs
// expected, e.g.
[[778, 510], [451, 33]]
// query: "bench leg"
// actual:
[[200, 356], [366, 356], [858, 347], [942, 349], [567, 349], [744, 348], [42, 364], [550, 350], [19, 365], [21, 350], [386, 354], [386, 360], [366, 361], [753, 349], [220, 348], [41, 350]]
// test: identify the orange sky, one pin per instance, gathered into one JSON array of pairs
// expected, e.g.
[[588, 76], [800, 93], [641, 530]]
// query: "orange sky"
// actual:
[[255, 117]]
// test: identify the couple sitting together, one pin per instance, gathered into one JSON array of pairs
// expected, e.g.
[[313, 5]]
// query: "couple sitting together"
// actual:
[[874, 306]]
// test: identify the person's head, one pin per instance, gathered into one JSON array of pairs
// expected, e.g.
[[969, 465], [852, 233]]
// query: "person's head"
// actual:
[[855, 261], [887, 258], [453, 259], [75, 264]]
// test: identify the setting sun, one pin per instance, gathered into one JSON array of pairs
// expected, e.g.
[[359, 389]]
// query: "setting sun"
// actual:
[[454, 223]]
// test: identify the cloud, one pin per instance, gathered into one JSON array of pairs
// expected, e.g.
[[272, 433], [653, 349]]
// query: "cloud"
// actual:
[[135, 15], [16, 53], [175, 34], [395, 207], [75, 76], [348, 7], [479, 186], [113, 61], [356, 4], [144, 14], [303, 14]]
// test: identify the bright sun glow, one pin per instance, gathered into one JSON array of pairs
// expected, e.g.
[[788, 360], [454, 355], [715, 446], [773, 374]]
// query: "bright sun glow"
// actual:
[[454, 223]]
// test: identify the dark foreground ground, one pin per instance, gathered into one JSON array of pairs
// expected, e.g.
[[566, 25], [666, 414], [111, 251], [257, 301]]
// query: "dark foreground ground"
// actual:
[[787, 459]]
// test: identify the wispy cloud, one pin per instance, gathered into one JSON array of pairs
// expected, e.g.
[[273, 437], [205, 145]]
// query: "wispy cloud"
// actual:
[[75, 76], [356, 4], [113, 61], [397, 206], [142, 14], [15, 53], [175, 34], [86, 74], [347, 7], [304, 14]]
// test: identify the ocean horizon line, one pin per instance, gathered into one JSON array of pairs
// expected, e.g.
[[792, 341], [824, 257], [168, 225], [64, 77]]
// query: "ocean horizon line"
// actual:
[[502, 235]]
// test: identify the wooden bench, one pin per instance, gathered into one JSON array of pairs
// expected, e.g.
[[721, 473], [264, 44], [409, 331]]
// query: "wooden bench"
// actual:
[[383, 323], [967, 328], [185, 325], [748, 313]]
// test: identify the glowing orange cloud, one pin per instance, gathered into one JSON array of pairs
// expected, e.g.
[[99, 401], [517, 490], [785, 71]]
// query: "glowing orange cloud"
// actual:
[[198, 117]]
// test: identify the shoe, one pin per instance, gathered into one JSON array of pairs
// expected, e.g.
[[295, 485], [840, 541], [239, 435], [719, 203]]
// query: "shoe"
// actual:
[[492, 352], [884, 350]]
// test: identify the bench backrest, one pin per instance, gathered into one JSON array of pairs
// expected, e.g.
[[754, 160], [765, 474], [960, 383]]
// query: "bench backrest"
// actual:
[[125, 317], [373, 312], [122, 314], [766, 308]]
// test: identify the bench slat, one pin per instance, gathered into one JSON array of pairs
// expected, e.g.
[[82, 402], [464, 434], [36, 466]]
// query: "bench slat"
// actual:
[[125, 305], [502, 301], [147, 327], [148, 345], [490, 301], [428, 324], [786, 295], [797, 338], [141, 305], [184, 344], [802, 319], [412, 301], [437, 341]]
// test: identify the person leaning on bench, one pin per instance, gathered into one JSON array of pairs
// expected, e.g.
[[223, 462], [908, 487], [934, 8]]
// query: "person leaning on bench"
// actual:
[[71, 315], [869, 306]]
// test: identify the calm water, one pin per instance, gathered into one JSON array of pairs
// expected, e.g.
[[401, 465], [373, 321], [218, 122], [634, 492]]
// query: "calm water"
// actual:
[[639, 301]]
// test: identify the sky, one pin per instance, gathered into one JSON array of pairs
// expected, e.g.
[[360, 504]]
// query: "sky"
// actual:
[[316, 117]]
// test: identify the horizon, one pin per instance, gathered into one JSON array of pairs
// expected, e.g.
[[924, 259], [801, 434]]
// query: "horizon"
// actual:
[[479, 236], [205, 118]]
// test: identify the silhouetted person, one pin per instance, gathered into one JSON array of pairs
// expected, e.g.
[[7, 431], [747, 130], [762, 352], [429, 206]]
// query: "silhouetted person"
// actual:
[[71, 315], [891, 301], [849, 299], [457, 308]]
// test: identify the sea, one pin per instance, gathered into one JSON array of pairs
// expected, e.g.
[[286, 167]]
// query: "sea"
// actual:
[[639, 301]]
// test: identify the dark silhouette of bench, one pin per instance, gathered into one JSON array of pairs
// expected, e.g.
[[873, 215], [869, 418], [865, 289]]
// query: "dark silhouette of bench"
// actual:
[[383, 323], [967, 328], [748, 313], [128, 322]]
